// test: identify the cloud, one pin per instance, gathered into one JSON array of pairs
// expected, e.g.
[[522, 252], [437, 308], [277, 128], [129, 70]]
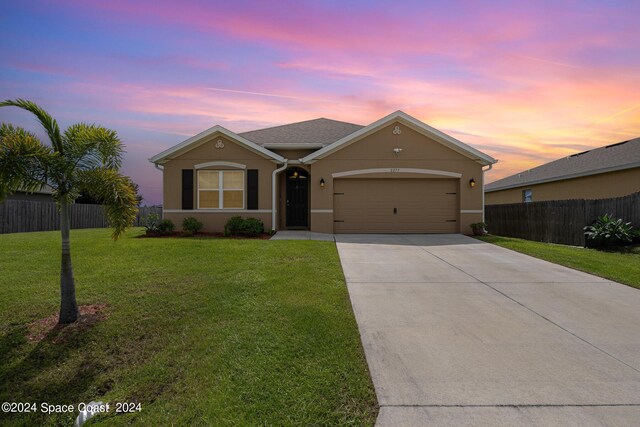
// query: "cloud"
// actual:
[[527, 82]]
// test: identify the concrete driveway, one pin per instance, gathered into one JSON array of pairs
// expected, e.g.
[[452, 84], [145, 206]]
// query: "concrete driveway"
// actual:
[[459, 332]]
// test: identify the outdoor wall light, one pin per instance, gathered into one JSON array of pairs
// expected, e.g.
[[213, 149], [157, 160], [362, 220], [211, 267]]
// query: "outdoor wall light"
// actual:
[[472, 183], [321, 182]]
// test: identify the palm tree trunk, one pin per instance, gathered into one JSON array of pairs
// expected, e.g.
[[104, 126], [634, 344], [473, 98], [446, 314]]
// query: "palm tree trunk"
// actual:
[[68, 305]]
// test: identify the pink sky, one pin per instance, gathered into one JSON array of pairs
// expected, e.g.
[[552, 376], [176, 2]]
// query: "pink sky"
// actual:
[[526, 83]]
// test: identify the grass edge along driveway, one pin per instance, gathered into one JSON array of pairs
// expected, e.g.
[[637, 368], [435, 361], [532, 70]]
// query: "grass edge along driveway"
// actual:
[[198, 331], [617, 266]]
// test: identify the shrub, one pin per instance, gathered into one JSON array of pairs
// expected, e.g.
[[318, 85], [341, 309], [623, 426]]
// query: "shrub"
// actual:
[[252, 227], [239, 226], [233, 225], [166, 226], [151, 223], [607, 231], [479, 228], [191, 226]]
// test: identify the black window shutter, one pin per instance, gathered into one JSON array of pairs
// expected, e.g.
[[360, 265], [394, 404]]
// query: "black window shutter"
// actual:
[[252, 189], [187, 188]]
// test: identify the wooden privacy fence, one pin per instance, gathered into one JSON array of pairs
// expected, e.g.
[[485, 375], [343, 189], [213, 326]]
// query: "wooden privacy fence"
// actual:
[[558, 221], [17, 216]]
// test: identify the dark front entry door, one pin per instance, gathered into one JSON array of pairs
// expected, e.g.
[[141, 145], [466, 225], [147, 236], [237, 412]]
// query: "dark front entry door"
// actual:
[[297, 202]]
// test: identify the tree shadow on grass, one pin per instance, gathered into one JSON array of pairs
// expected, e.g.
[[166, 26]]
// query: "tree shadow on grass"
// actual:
[[60, 369], [10, 345]]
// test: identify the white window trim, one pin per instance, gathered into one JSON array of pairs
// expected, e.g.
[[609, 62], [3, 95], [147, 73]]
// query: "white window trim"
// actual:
[[221, 190]]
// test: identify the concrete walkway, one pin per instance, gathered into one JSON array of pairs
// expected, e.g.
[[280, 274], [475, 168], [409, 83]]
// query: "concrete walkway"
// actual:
[[459, 332]]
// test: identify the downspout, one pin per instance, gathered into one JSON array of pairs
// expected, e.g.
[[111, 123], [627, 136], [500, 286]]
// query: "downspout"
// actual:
[[161, 169], [274, 176], [483, 171]]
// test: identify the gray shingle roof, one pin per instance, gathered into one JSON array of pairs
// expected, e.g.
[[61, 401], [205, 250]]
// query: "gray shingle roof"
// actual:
[[623, 155], [44, 190], [318, 132]]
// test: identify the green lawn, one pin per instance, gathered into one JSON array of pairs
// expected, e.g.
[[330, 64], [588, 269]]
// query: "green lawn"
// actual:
[[618, 266], [199, 331]]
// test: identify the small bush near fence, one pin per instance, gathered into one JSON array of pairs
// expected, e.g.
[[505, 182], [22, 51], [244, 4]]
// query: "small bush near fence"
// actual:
[[18, 216], [151, 223], [558, 221], [607, 231]]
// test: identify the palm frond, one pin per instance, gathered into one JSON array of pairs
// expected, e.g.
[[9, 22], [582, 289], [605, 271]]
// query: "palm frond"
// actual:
[[115, 191], [90, 146], [49, 124], [24, 161]]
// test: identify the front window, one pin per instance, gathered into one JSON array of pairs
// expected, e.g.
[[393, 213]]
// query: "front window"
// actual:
[[527, 196], [220, 189]]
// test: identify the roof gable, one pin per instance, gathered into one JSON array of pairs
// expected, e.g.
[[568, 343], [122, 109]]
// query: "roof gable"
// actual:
[[411, 122], [203, 137], [324, 134], [613, 157]]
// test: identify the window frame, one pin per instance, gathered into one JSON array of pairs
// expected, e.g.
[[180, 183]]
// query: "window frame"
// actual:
[[524, 195], [221, 188]]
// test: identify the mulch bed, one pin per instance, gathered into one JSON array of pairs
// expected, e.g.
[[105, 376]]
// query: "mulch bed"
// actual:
[[89, 315], [204, 234]]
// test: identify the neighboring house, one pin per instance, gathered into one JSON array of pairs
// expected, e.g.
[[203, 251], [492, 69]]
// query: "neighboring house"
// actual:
[[610, 171], [396, 175], [42, 195]]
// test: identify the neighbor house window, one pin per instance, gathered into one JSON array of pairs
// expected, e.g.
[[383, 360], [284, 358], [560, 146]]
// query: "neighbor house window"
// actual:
[[220, 189], [527, 196]]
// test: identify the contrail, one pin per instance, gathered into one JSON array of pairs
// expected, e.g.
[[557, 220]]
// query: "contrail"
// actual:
[[246, 92], [272, 95], [626, 110]]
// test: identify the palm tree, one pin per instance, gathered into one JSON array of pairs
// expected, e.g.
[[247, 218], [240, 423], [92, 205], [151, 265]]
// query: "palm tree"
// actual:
[[84, 158]]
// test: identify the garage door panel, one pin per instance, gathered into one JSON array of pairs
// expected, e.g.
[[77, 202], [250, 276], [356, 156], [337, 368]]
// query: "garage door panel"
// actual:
[[422, 205]]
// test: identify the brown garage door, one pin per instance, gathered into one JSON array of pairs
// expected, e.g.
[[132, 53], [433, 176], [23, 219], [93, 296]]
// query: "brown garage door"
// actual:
[[395, 206]]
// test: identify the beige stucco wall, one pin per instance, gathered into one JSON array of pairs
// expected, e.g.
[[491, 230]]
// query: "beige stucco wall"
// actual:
[[601, 186], [376, 151], [214, 220], [293, 154]]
